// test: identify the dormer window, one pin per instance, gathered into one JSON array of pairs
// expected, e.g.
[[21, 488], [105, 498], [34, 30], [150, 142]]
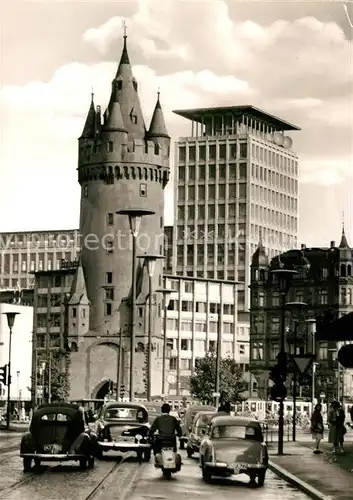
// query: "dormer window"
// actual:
[[156, 149]]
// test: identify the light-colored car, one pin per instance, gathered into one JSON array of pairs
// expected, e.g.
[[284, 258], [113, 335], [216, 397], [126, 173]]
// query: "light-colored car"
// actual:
[[234, 445]]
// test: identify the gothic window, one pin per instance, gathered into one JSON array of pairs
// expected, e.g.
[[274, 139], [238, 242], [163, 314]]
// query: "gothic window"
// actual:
[[110, 146], [110, 219], [343, 270], [349, 270], [323, 297], [109, 294], [156, 149], [109, 278], [85, 191], [108, 309]]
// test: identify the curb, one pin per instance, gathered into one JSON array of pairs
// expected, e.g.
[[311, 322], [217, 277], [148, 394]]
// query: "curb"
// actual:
[[298, 483]]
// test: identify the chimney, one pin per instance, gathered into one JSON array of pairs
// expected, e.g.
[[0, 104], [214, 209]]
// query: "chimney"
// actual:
[[332, 244], [302, 246]]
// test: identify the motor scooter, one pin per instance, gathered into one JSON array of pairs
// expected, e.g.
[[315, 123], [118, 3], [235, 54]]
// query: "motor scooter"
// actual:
[[168, 460]]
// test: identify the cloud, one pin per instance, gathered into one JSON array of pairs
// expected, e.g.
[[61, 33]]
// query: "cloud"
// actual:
[[300, 70]]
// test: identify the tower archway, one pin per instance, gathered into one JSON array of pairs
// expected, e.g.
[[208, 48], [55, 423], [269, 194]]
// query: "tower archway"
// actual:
[[103, 389]]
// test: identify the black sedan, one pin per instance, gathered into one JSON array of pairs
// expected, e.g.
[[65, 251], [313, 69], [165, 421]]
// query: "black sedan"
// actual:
[[123, 427], [57, 433]]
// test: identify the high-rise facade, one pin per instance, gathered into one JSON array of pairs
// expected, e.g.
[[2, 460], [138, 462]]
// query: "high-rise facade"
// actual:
[[236, 179]]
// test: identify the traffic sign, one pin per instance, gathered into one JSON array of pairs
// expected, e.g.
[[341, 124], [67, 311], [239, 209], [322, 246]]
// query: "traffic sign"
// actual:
[[216, 394], [302, 362]]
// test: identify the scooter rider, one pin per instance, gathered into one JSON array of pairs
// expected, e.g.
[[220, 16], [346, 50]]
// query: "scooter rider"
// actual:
[[168, 428]]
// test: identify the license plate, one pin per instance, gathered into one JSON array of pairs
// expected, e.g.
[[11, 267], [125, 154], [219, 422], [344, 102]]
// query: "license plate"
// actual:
[[128, 439], [237, 466], [53, 448]]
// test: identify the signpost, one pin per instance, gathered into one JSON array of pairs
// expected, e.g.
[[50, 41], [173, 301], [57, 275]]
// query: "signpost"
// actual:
[[302, 362]]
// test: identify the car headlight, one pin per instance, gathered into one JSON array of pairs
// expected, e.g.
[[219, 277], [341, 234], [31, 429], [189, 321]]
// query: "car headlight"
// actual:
[[138, 437]]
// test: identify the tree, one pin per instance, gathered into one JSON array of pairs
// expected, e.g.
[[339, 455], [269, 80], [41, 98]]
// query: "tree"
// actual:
[[59, 375], [231, 383]]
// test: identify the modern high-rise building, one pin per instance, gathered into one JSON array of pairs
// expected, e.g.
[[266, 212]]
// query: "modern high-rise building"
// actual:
[[236, 179]]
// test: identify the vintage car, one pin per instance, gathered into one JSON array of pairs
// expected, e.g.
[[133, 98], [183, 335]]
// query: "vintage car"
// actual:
[[234, 445], [123, 427], [199, 430], [188, 421], [58, 432]]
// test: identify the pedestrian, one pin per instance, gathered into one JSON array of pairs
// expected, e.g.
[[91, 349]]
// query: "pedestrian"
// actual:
[[333, 421], [351, 413], [341, 428], [224, 408], [317, 427]]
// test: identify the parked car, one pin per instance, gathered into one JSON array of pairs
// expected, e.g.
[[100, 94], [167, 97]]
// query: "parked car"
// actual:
[[234, 445], [188, 421], [123, 427], [199, 430], [58, 432]]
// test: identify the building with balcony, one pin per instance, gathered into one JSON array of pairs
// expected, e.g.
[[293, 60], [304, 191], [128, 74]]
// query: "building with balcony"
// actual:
[[22, 253], [324, 282], [235, 173], [192, 326]]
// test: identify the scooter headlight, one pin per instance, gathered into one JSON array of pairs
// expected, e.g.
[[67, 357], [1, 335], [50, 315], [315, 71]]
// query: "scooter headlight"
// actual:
[[138, 437]]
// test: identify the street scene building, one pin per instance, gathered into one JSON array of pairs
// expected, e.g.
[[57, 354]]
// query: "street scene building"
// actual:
[[22, 253], [235, 173], [321, 290]]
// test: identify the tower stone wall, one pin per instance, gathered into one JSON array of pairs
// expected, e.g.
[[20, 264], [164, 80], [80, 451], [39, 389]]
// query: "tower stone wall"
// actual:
[[121, 165]]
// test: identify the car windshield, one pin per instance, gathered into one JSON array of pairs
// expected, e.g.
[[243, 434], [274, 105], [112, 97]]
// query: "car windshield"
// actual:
[[133, 414], [235, 432]]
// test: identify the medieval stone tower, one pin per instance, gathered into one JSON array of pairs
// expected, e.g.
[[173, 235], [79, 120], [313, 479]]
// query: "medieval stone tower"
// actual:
[[121, 165]]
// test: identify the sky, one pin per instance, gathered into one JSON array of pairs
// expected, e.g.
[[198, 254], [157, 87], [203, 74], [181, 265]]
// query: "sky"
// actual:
[[293, 59]]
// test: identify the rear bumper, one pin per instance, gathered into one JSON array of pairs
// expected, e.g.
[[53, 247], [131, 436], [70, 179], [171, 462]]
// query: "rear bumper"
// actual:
[[123, 446], [241, 468], [55, 457]]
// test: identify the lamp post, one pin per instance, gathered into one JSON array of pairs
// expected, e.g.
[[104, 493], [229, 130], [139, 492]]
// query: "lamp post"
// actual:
[[18, 390], [10, 323], [312, 341], [338, 386], [166, 293], [296, 306], [135, 216], [42, 373], [284, 277], [150, 260]]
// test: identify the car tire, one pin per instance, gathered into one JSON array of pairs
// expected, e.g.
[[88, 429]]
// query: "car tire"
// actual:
[[83, 463], [182, 444], [99, 454], [27, 464], [37, 463], [167, 474], [91, 462], [189, 452], [261, 478], [206, 474]]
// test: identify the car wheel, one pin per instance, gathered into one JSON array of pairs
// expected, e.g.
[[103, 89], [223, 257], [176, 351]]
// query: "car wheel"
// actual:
[[167, 474], [189, 452], [206, 474], [261, 478], [182, 444], [99, 453], [83, 463], [147, 456], [91, 462], [37, 463], [27, 464]]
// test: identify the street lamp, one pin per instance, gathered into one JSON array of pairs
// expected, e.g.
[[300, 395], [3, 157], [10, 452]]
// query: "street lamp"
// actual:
[[135, 216], [338, 371], [10, 323], [18, 390], [166, 294], [312, 340], [296, 307], [150, 260], [284, 277]]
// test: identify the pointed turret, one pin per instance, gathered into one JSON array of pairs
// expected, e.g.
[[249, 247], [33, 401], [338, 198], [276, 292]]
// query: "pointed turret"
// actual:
[[90, 125], [114, 120], [124, 91], [158, 127], [344, 242], [78, 293], [260, 257]]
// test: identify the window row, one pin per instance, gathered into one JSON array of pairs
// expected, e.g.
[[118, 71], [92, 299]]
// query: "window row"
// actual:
[[204, 152], [274, 179], [274, 159], [275, 217], [271, 197], [212, 172], [198, 211], [200, 192], [201, 307]]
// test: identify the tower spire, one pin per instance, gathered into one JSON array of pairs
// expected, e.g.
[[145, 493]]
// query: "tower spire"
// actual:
[[344, 242], [124, 55], [158, 127], [90, 124]]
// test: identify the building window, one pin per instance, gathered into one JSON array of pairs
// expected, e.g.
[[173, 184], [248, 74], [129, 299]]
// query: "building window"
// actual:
[[143, 190], [156, 149], [325, 273], [110, 219], [261, 299], [110, 247], [200, 327], [241, 349], [85, 191], [109, 294], [185, 344], [109, 278], [275, 300], [188, 286], [108, 309], [74, 312], [186, 305], [110, 147], [273, 351], [257, 351], [186, 326], [323, 297], [275, 325], [185, 364], [322, 350], [57, 281], [173, 363], [212, 345]]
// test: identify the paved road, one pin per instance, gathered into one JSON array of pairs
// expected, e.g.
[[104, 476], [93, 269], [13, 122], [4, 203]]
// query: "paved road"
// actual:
[[188, 482], [130, 481]]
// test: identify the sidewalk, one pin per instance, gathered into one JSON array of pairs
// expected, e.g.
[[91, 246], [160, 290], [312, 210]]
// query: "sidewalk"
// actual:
[[317, 475]]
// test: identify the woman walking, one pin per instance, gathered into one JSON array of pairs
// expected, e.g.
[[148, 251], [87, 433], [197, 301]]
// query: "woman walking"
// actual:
[[317, 427], [333, 421]]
